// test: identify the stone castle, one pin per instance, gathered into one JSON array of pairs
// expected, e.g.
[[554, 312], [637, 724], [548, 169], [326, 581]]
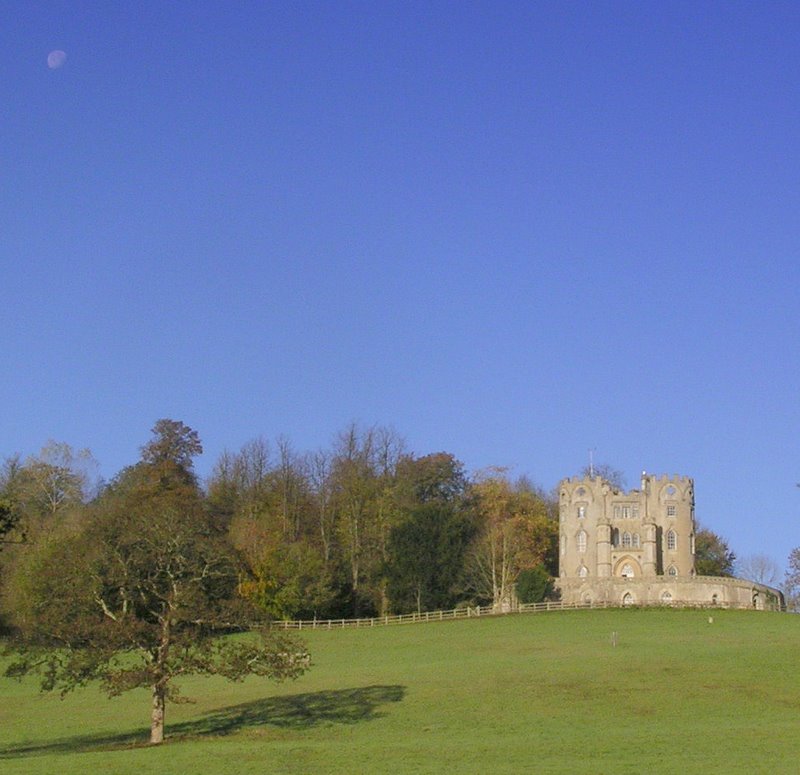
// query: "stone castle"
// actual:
[[638, 548]]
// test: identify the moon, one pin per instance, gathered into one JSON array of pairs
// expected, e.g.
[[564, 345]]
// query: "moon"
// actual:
[[56, 59]]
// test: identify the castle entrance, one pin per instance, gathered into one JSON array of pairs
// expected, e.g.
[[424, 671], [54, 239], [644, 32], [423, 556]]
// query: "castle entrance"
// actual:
[[627, 568]]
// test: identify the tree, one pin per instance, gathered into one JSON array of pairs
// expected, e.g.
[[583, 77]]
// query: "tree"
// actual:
[[436, 477], [362, 476], [138, 596], [516, 534], [759, 568], [426, 557], [8, 520], [792, 581], [712, 556], [173, 442], [612, 475], [534, 585]]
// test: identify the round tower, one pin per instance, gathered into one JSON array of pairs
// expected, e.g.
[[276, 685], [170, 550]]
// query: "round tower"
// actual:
[[650, 549], [603, 548]]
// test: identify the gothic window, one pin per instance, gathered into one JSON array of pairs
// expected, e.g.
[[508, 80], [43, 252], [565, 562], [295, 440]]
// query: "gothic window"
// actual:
[[672, 571], [671, 490], [627, 599], [672, 540], [581, 541], [666, 597], [626, 539], [583, 571], [581, 512], [627, 571], [636, 542], [670, 511]]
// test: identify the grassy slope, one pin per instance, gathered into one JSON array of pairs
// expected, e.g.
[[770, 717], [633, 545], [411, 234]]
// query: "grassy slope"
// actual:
[[538, 693]]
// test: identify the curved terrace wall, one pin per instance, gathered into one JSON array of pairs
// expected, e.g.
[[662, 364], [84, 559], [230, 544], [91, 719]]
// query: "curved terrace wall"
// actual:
[[666, 590]]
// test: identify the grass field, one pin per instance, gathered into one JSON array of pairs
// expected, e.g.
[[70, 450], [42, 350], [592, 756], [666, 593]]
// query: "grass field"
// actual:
[[541, 693]]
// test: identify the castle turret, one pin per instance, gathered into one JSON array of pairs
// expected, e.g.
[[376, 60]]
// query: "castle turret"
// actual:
[[603, 549], [650, 547]]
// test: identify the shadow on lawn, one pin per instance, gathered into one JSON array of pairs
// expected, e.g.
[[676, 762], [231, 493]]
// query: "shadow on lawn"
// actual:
[[298, 711]]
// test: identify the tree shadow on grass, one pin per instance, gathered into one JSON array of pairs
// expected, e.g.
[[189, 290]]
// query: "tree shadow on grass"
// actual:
[[298, 711]]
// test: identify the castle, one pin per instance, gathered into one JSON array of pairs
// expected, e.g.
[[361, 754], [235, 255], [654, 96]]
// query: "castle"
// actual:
[[638, 548]]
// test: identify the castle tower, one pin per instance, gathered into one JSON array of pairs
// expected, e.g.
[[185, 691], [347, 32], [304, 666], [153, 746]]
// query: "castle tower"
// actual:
[[604, 549]]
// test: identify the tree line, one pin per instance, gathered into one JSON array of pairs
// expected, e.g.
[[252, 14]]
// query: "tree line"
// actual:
[[362, 528]]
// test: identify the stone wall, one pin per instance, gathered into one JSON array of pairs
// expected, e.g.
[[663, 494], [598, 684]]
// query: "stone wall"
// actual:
[[700, 590]]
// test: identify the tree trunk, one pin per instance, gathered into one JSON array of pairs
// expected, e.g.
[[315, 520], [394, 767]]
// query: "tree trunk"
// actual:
[[157, 716]]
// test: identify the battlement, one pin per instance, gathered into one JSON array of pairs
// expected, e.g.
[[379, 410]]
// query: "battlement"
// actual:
[[667, 478], [657, 480]]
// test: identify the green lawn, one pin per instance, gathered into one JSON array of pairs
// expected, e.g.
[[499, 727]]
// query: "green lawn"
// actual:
[[541, 693]]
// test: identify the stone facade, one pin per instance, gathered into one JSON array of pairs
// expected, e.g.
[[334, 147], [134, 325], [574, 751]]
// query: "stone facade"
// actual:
[[637, 547]]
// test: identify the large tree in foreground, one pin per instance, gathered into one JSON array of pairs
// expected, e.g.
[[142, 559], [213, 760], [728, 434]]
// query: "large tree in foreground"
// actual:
[[139, 595]]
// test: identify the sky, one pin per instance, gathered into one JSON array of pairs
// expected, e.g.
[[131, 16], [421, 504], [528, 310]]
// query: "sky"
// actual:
[[512, 231]]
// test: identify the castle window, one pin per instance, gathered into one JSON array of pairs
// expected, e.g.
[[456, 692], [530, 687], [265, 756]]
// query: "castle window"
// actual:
[[636, 543], [672, 540], [635, 511], [614, 536], [617, 512], [671, 490], [672, 571], [581, 540], [626, 512], [581, 512], [626, 539], [670, 511], [583, 571]]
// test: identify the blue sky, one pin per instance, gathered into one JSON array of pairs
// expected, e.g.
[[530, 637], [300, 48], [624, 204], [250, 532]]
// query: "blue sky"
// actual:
[[512, 231]]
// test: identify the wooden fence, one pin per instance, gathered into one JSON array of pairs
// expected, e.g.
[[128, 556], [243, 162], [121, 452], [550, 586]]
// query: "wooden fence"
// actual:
[[470, 613]]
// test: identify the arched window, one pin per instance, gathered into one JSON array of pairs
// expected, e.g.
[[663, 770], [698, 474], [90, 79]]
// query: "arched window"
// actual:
[[581, 512], [626, 539], [666, 597], [672, 540], [672, 571], [627, 571], [614, 536], [636, 542], [581, 540], [583, 571], [627, 599]]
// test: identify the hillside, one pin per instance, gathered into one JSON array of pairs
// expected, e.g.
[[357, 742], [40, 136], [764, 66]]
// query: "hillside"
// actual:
[[544, 693]]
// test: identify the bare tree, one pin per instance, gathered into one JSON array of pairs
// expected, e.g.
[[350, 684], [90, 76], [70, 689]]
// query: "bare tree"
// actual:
[[759, 568]]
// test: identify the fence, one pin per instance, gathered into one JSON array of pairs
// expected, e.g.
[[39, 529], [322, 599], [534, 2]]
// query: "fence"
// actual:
[[474, 612]]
